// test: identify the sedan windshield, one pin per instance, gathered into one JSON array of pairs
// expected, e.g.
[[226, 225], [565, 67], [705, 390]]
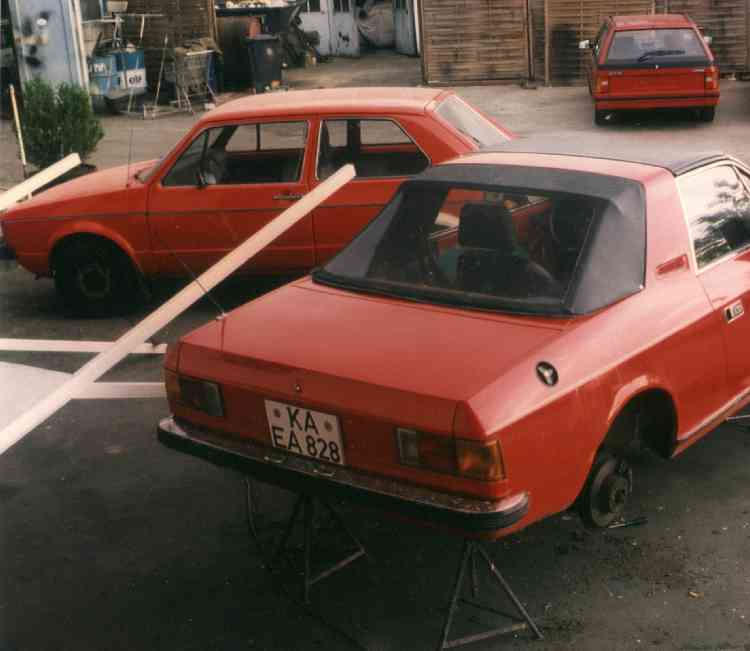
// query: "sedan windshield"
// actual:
[[655, 46], [492, 248]]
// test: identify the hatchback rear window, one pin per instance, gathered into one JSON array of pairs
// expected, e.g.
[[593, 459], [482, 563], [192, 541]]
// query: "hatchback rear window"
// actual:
[[655, 46]]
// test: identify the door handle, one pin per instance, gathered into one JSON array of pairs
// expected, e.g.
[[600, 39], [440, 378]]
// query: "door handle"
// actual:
[[291, 196]]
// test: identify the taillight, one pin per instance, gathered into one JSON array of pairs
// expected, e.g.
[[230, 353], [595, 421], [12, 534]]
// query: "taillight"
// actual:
[[712, 79], [474, 459], [602, 83], [172, 384], [197, 394]]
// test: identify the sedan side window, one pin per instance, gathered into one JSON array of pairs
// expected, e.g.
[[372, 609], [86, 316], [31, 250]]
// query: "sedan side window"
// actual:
[[242, 154], [717, 207], [376, 148]]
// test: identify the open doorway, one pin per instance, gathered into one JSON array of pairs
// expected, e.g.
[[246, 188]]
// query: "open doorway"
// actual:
[[354, 28]]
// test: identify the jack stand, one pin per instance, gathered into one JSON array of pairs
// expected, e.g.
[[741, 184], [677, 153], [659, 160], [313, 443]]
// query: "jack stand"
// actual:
[[471, 549], [305, 504]]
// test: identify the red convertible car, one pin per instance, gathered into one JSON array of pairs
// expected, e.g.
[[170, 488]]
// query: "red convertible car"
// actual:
[[492, 348], [650, 62], [102, 235]]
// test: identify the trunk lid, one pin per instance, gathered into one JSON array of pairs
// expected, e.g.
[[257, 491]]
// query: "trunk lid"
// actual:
[[366, 357]]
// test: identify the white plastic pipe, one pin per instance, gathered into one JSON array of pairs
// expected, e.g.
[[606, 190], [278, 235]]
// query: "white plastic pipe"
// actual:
[[22, 190], [134, 337], [64, 346]]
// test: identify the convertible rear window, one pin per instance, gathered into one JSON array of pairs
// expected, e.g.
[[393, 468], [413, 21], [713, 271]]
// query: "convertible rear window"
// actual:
[[662, 46]]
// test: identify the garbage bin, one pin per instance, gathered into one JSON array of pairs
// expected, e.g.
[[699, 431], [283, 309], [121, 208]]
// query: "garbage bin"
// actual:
[[265, 61]]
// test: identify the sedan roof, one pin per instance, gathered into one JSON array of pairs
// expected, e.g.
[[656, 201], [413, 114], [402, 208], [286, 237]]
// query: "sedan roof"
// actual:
[[327, 101]]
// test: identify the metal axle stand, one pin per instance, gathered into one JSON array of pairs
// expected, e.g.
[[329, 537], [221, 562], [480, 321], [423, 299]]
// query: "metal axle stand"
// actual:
[[471, 550], [305, 505]]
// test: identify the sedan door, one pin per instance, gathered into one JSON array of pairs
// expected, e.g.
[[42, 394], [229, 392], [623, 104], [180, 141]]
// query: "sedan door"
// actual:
[[384, 156], [230, 182]]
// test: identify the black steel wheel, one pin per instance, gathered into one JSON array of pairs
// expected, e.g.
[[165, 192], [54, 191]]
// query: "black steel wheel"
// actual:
[[606, 491], [95, 278]]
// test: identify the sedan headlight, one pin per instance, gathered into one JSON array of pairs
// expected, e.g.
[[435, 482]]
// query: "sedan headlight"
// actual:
[[474, 459]]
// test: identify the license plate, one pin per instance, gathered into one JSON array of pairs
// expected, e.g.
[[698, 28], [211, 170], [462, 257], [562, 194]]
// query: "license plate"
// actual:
[[304, 431]]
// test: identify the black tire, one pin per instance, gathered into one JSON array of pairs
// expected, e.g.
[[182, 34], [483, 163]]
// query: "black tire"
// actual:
[[600, 117], [606, 491], [95, 278], [707, 114]]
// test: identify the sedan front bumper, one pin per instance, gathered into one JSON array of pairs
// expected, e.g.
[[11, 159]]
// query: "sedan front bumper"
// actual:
[[301, 475]]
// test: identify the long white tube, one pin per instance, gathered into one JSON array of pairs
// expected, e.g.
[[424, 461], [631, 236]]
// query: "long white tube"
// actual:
[[65, 346], [22, 190], [134, 337]]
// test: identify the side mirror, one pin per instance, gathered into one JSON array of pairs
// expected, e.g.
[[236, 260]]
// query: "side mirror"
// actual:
[[708, 39], [200, 179], [584, 45]]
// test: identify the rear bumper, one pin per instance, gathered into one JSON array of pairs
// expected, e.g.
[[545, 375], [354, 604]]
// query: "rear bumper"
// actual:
[[604, 103], [470, 516]]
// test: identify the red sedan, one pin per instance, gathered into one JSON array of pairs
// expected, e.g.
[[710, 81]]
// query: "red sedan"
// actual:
[[493, 346], [102, 235], [649, 62]]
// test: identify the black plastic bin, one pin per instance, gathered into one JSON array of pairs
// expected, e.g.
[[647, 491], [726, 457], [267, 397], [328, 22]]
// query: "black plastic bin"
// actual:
[[265, 61]]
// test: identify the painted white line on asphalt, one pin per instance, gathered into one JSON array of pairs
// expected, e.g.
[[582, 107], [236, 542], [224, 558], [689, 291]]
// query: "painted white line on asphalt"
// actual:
[[147, 328], [65, 346], [120, 390]]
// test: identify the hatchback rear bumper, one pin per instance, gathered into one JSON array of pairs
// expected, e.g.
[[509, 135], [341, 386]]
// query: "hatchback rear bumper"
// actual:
[[604, 103], [466, 515]]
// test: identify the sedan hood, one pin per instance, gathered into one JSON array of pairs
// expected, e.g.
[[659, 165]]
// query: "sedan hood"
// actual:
[[81, 194], [368, 355]]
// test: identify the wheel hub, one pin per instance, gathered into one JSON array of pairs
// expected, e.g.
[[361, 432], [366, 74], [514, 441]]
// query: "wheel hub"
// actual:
[[94, 281]]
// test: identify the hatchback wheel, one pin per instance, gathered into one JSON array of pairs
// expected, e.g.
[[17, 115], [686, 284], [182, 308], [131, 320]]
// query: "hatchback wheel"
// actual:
[[601, 117], [606, 491], [95, 278]]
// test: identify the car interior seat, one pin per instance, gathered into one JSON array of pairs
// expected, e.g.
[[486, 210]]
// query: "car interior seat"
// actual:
[[488, 247]]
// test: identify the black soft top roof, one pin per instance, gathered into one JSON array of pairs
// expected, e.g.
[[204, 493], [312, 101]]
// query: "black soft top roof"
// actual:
[[674, 162]]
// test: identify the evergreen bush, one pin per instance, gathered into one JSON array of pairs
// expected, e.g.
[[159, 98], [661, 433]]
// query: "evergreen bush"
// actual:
[[56, 122]]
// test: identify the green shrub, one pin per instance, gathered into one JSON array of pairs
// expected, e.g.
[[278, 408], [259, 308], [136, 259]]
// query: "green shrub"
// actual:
[[56, 122]]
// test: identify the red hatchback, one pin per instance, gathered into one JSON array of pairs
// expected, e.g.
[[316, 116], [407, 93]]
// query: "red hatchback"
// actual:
[[241, 165], [648, 62]]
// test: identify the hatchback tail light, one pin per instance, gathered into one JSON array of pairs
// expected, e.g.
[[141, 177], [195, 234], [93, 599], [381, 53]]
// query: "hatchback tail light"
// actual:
[[474, 459], [712, 79], [602, 83]]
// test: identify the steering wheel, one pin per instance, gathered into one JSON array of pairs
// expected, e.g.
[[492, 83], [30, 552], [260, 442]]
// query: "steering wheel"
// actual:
[[213, 167]]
